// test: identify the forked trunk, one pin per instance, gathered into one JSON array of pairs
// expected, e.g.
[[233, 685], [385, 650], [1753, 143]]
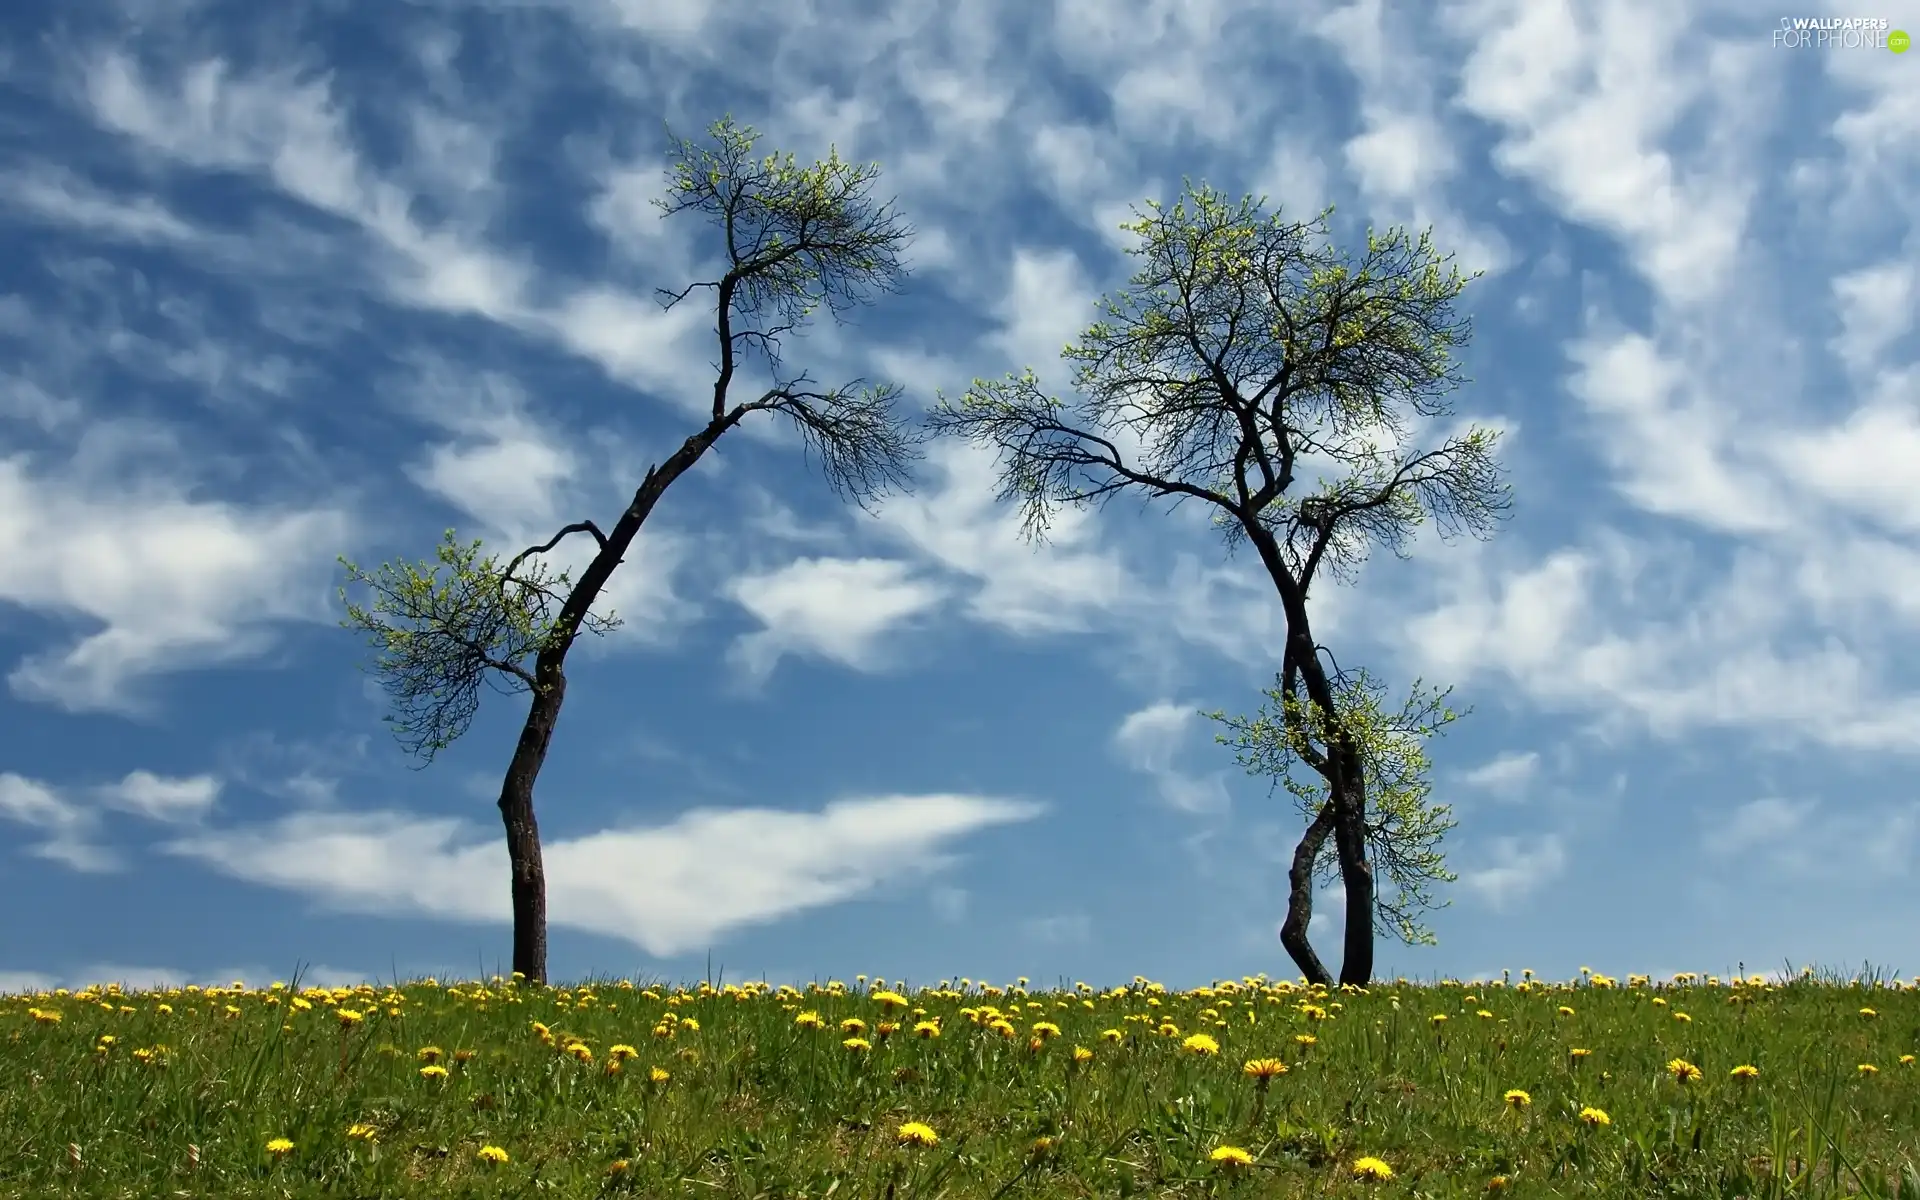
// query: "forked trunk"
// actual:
[[1293, 931], [1345, 773]]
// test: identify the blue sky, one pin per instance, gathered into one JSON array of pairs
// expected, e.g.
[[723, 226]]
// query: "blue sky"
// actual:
[[284, 282]]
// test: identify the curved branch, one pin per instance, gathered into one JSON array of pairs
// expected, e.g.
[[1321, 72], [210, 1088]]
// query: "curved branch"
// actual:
[[529, 552]]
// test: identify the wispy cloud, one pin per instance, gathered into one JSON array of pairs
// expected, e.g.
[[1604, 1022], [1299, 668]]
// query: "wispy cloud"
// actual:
[[1152, 740], [837, 609], [667, 890]]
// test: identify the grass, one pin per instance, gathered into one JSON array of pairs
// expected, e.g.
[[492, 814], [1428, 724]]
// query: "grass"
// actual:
[[966, 1091]]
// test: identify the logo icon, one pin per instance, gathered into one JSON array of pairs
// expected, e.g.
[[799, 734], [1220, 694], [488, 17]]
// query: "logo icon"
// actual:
[[1898, 40]]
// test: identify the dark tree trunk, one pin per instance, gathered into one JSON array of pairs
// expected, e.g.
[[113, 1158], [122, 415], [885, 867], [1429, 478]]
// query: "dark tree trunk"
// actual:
[[550, 693], [1350, 846], [1293, 931], [1340, 765], [523, 830]]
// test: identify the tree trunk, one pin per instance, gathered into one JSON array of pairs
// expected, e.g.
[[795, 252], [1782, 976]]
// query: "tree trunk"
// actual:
[[550, 692], [523, 830], [1342, 768], [1293, 931], [1350, 846]]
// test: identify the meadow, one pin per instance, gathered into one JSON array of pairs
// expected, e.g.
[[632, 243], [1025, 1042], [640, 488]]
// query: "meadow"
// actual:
[[1692, 1086]]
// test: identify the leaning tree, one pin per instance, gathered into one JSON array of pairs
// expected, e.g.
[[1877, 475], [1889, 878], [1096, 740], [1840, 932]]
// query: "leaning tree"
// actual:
[[1254, 367], [794, 238]]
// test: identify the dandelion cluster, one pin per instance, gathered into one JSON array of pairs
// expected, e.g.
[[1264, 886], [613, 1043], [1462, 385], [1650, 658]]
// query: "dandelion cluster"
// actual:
[[960, 1087]]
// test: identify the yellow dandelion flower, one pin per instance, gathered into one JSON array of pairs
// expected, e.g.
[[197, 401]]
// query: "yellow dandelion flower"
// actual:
[[433, 1071], [1595, 1117], [349, 1017], [658, 1075], [1231, 1156], [360, 1131], [1868, 1069], [1745, 1071], [1868, 1013], [917, 1133], [1082, 1055], [858, 1045], [1305, 1039], [279, 1147], [1263, 1070], [890, 1000], [1201, 1044], [1046, 1029], [809, 1020], [1111, 1035], [618, 1166], [1683, 1018], [1498, 1183], [853, 1026], [1682, 1070], [927, 1029], [1566, 1010], [1578, 1053], [1437, 1020], [493, 1156], [1516, 1098], [430, 1054], [1371, 1168], [1906, 1060], [1484, 1015]]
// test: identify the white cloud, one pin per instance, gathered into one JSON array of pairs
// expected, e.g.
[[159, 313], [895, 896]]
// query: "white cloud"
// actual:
[[669, 890], [1516, 868], [1151, 741], [1717, 660], [142, 978], [171, 582], [1664, 437], [1585, 97], [65, 826], [1863, 466], [1024, 588], [1506, 774], [1810, 840], [1046, 305], [836, 608], [1876, 308], [503, 471], [156, 798], [291, 130], [71, 828]]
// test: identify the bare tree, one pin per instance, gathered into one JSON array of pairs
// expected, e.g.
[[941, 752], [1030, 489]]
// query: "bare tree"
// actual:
[[795, 238], [1253, 367]]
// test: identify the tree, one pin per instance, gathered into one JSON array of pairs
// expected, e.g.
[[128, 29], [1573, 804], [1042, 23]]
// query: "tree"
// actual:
[[795, 238], [1403, 831], [1246, 354]]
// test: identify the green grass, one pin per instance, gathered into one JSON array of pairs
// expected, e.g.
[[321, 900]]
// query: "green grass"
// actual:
[[757, 1104]]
